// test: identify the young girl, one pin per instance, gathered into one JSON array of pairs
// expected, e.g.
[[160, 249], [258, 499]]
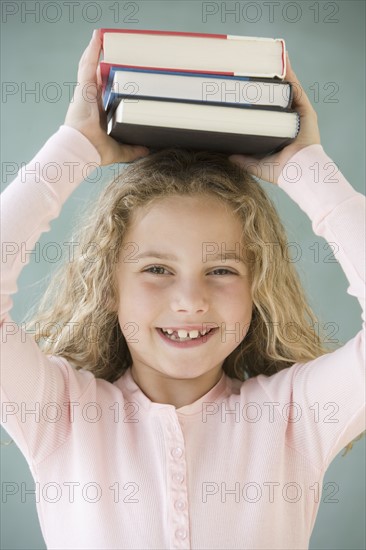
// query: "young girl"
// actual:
[[178, 396]]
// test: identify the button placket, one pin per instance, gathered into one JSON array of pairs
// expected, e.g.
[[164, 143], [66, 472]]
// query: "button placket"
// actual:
[[178, 516]]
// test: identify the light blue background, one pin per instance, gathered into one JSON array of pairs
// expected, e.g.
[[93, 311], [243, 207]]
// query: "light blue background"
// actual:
[[326, 42]]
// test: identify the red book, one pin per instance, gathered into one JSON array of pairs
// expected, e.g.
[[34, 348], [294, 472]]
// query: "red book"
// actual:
[[219, 54]]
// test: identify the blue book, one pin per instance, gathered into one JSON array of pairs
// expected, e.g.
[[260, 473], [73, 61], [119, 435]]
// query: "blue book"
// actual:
[[130, 84]]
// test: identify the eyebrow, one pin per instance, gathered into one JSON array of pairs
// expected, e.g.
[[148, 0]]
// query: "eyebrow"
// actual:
[[213, 257]]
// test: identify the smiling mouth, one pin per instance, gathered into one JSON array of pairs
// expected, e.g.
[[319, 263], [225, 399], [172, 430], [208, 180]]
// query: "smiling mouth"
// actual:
[[190, 336]]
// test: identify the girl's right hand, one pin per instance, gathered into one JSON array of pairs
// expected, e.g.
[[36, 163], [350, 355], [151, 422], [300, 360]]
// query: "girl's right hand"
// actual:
[[86, 113]]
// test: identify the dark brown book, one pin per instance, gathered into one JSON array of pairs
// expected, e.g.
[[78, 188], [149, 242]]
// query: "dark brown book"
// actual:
[[159, 124]]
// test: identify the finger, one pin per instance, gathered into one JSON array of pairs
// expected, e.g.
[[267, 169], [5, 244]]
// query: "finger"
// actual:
[[88, 63], [250, 164], [128, 153], [133, 152], [99, 77], [301, 102]]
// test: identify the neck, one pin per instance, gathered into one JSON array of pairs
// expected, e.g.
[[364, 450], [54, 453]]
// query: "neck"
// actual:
[[160, 388]]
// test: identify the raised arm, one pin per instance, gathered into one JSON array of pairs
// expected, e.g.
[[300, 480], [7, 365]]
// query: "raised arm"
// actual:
[[29, 378], [328, 392]]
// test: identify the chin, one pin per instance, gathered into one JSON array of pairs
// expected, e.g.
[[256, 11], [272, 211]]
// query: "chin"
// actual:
[[187, 374]]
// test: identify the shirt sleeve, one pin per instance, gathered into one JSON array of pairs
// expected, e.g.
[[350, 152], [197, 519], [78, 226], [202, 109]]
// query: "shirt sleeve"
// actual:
[[37, 388], [327, 394]]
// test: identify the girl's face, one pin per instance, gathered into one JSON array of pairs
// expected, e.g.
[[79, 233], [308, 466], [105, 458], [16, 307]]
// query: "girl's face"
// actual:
[[172, 274]]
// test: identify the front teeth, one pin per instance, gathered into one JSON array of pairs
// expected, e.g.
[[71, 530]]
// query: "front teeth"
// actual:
[[185, 333]]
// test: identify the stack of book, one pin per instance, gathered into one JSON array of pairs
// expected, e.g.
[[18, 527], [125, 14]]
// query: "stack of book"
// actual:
[[198, 91]]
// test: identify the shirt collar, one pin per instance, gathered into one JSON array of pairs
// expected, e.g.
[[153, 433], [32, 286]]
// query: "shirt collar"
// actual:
[[133, 393]]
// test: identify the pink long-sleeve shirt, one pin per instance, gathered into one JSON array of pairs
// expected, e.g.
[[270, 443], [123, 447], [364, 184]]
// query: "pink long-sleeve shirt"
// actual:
[[241, 467]]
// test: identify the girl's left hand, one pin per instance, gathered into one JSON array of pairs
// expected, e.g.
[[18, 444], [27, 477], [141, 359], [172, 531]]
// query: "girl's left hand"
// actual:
[[270, 167]]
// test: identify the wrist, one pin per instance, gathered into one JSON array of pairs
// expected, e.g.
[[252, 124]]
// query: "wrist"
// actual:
[[93, 148]]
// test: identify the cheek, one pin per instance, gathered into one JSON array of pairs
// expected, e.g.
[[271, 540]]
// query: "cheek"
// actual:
[[138, 299], [237, 288], [139, 305], [236, 301]]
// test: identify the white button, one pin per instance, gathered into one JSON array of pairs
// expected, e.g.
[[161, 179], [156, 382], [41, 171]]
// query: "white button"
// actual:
[[180, 504], [181, 533], [177, 452], [178, 478]]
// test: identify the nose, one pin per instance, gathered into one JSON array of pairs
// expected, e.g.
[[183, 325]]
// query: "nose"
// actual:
[[189, 296]]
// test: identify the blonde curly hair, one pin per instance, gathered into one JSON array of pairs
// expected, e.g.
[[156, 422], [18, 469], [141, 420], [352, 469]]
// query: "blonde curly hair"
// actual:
[[83, 293]]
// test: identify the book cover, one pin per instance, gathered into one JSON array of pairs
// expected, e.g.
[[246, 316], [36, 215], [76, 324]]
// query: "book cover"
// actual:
[[197, 126], [156, 38], [157, 138], [141, 83]]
